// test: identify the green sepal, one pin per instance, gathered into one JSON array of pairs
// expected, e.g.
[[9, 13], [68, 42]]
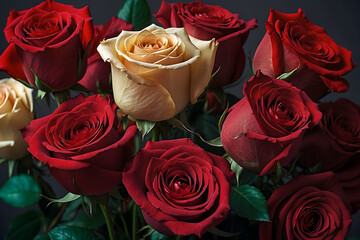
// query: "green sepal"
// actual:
[[24, 83], [248, 202], [145, 126], [82, 59], [69, 197], [20, 191], [285, 76], [124, 120], [11, 167], [26, 225], [239, 135], [61, 96], [179, 124], [80, 88], [43, 95], [136, 12], [236, 168], [40, 84], [222, 117], [83, 219]]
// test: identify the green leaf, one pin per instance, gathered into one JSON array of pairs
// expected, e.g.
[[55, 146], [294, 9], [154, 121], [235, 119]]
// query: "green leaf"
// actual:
[[157, 236], [137, 13], [69, 197], [145, 126], [248, 202], [72, 232], [2, 160], [42, 237], [25, 226], [20, 191], [285, 76]]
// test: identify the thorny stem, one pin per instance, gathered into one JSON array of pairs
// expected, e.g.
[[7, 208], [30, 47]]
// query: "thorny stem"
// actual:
[[57, 217], [109, 223]]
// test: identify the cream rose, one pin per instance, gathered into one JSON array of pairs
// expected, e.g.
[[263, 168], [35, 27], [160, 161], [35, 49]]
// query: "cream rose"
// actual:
[[156, 72], [16, 111]]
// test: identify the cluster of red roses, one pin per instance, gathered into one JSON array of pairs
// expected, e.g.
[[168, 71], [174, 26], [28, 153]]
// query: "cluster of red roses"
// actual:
[[181, 188]]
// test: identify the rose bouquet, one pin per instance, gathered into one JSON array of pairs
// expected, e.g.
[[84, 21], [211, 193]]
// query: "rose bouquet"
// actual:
[[144, 140]]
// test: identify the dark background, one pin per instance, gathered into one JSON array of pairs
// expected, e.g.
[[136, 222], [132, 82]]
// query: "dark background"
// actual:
[[341, 20]]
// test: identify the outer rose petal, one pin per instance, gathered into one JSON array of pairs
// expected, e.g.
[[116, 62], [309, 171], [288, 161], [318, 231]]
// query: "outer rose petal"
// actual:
[[135, 178], [255, 138], [11, 64], [320, 67], [152, 91], [153, 101], [282, 204], [52, 54], [204, 64], [253, 150], [102, 155], [16, 111], [227, 28]]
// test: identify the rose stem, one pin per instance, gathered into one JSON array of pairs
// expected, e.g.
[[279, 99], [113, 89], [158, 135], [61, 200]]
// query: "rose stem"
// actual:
[[57, 217], [134, 222], [108, 220], [124, 222]]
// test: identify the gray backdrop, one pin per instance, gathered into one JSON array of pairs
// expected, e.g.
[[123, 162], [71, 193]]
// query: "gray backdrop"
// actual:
[[340, 18]]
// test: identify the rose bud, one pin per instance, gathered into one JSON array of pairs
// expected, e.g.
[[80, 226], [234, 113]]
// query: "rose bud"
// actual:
[[157, 72], [337, 137], [308, 207], [82, 144], [47, 41], [98, 72], [266, 126], [205, 22], [16, 111], [180, 188], [292, 42]]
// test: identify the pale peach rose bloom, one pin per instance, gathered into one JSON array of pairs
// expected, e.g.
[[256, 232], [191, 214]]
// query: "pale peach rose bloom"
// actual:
[[16, 111], [157, 72]]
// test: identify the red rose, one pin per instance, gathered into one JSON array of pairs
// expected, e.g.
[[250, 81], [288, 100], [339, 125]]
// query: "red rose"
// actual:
[[47, 40], [205, 22], [267, 125], [98, 72], [180, 188], [293, 41], [308, 207], [81, 144], [337, 137], [349, 177]]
